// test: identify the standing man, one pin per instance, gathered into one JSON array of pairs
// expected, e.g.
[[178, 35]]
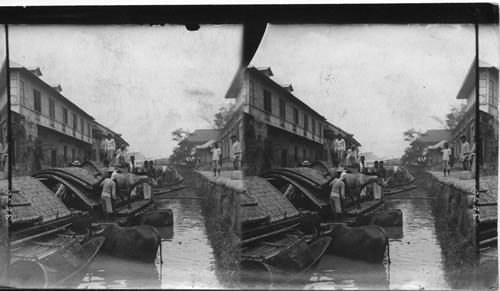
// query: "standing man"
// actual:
[[146, 188], [132, 169], [337, 193], [362, 169], [339, 147], [377, 189], [236, 152], [108, 195], [109, 147], [446, 159], [216, 158], [464, 152]]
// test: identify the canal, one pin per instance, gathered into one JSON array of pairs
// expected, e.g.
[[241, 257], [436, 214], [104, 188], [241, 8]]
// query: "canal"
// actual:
[[188, 259]]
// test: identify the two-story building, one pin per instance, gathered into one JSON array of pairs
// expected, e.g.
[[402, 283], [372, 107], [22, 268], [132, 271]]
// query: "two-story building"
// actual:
[[275, 128], [488, 109], [48, 129]]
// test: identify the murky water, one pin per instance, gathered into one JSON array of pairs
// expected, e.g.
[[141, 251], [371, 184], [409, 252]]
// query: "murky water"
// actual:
[[416, 260], [188, 260]]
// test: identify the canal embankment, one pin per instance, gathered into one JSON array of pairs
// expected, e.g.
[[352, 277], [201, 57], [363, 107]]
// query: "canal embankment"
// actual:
[[456, 226], [220, 210]]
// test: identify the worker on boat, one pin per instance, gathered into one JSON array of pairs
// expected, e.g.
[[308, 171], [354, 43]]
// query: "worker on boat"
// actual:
[[108, 195], [337, 193]]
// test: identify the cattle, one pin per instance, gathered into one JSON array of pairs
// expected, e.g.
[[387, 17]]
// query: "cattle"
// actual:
[[157, 218], [82, 224], [392, 217], [366, 243], [138, 243], [311, 224], [127, 182]]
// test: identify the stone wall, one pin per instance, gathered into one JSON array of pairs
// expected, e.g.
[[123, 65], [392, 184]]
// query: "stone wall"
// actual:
[[220, 211], [454, 204]]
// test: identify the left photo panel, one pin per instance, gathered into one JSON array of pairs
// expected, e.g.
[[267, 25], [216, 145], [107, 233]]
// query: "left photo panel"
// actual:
[[111, 125]]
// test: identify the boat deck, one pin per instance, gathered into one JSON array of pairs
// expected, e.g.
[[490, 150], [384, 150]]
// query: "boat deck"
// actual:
[[135, 206]]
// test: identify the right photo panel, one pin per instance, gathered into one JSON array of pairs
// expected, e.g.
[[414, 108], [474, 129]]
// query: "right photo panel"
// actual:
[[369, 155]]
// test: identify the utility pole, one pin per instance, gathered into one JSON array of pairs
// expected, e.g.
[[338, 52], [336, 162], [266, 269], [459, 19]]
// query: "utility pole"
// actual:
[[477, 136]]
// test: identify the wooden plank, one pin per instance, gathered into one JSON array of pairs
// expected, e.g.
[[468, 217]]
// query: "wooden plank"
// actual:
[[269, 234], [39, 235]]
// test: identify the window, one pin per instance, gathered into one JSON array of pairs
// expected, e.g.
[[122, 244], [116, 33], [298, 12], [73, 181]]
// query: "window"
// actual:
[[81, 125], [282, 109], [304, 154], [493, 97], [65, 156], [252, 93], [267, 101], [75, 121], [88, 132], [52, 109], [320, 131], [21, 92], [306, 122], [53, 162], [313, 122], [65, 116], [296, 153], [38, 100], [295, 116], [73, 154]]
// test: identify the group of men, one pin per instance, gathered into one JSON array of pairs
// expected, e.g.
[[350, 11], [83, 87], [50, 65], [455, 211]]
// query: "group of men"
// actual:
[[217, 155], [344, 156], [466, 156], [338, 185], [111, 152]]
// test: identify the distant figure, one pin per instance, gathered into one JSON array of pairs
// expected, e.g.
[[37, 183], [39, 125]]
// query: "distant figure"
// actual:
[[339, 147], [382, 173], [216, 159], [464, 152], [446, 159], [472, 158], [352, 156], [120, 155], [152, 170], [108, 195], [377, 189], [236, 152], [146, 188], [109, 147], [337, 193], [362, 169], [4, 153], [132, 169]]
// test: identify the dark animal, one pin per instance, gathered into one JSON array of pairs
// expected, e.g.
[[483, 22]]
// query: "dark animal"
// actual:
[[139, 243], [82, 224], [158, 218], [392, 217], [311, 224], [126, 182], [356, 182], [362, 243]]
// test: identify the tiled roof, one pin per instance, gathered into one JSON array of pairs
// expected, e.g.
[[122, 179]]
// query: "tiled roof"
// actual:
[[433, 136], [203, 135]]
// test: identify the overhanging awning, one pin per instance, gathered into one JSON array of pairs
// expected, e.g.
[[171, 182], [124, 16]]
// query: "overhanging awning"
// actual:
[[205, 145]]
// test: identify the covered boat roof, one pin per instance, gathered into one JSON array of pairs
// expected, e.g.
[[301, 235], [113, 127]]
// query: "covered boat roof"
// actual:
[[79, 176], [32, 202], [263, 202]]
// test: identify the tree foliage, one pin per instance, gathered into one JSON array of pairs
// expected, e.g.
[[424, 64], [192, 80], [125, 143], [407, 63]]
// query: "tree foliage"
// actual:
[[416, 148], [453, 117], [223, 115], [183, 149]]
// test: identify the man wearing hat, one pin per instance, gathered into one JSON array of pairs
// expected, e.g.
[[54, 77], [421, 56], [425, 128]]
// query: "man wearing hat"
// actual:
[[108, 195], [337, 193], [236, 152]]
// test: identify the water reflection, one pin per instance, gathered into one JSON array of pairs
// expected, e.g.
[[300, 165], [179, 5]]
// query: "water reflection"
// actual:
[[415, 255], [187, 255]]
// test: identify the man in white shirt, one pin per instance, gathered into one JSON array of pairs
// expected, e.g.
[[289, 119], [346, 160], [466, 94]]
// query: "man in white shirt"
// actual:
[[216, 158], [446, 159], [337, 194], [339, 147], [109, 147], [236, 152], [362, 169], [464, 152]]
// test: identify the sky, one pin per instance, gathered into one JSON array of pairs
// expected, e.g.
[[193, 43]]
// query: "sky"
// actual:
[[376, 81], [140, 81]]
